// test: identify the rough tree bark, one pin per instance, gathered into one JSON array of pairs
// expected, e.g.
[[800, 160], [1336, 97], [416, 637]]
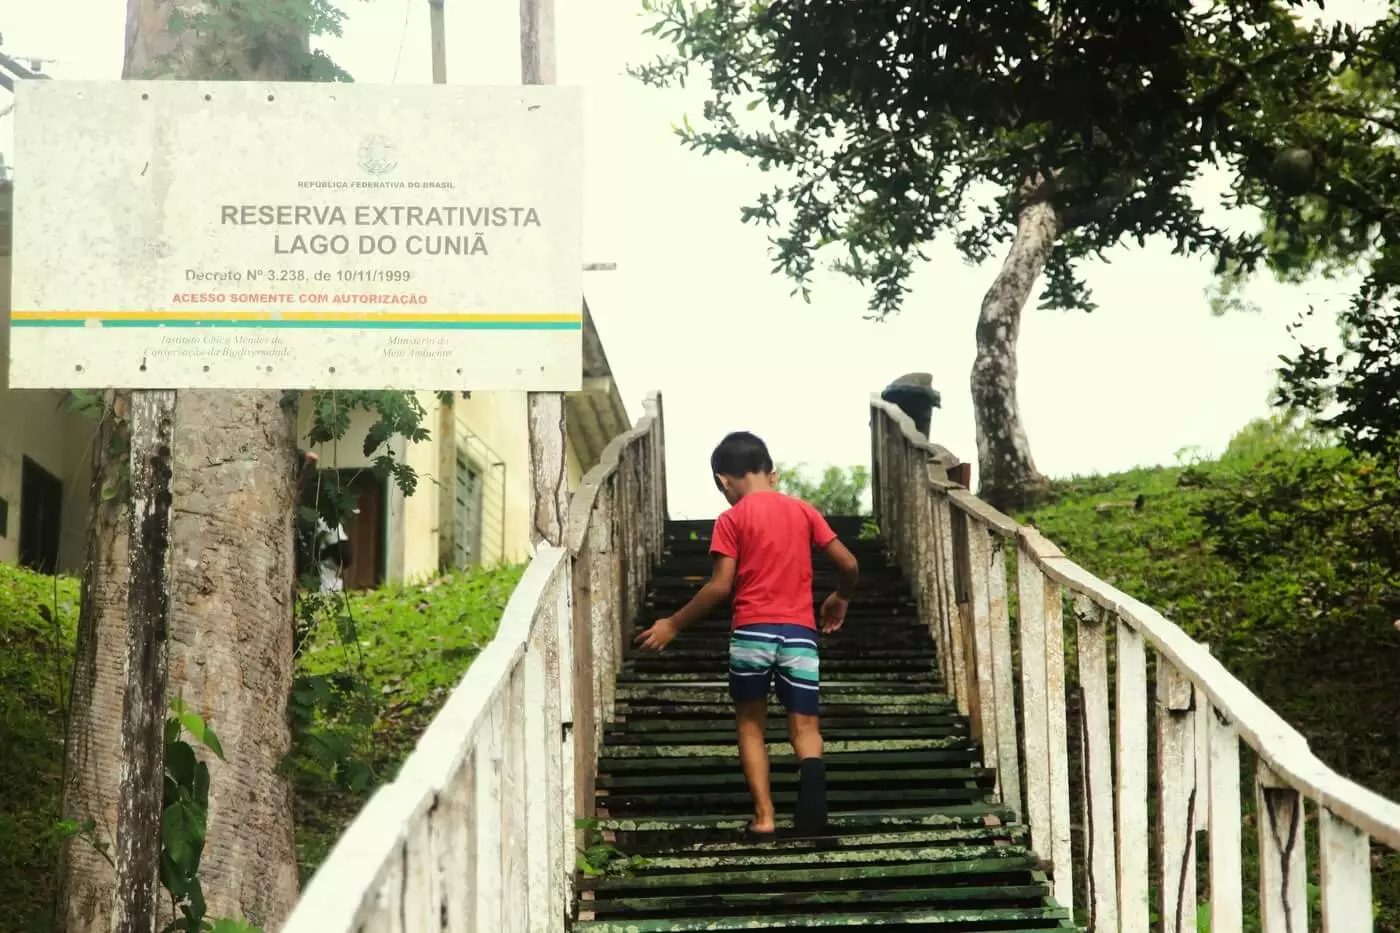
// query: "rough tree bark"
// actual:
[[1007, 476], [231, 608]]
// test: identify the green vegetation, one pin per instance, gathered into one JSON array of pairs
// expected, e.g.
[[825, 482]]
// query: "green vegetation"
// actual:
[[1284, 556], [839, 491], [412, 645], [38, 623]]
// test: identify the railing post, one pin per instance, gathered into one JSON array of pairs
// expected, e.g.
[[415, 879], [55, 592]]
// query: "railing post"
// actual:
[[877, 418], [604, 624], [1131, 756], [487, 824], [984, 718], [559, 696], [1346, 876], [660, 430], [585, 732], [957, 636], [1176, 798], [1032, 593], [1061, 851], [1283, 857], [525, 816], [1041, 615], [1097, 766], [938, 601], [1226, 898], [1003, 678]]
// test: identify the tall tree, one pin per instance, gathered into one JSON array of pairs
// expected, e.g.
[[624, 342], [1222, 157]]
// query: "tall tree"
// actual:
[[231, 607], [1053, 131]]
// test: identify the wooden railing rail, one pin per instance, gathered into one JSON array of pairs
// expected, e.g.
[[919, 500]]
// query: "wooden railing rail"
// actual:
[[1009, 676], [476, 833]]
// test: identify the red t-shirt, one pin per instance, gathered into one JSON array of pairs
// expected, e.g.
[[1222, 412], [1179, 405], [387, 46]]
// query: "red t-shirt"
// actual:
[[771, 536]]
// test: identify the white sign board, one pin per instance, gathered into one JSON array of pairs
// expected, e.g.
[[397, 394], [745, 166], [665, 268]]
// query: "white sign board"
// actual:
[[252, 235]]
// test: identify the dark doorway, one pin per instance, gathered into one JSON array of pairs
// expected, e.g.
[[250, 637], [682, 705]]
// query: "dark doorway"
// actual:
[[40, 518], [365, 529]]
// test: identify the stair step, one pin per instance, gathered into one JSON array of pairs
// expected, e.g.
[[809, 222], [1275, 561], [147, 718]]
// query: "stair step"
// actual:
[[800, 851], [887, 820], [833, 747], [779, 733], [843, 867], [920, 916], [828, 663], [834, 778], [923, 757], [836, 797], [662, 712], [889, 694], [673, 723]]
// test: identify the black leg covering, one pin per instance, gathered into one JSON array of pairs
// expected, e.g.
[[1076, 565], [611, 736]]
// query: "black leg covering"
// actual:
[[810, 817]]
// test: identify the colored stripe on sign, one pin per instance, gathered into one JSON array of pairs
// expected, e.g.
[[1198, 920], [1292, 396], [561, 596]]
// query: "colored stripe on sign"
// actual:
[[360, 320]]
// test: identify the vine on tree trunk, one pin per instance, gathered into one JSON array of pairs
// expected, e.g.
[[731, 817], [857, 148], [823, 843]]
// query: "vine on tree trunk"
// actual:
[[184, 819]]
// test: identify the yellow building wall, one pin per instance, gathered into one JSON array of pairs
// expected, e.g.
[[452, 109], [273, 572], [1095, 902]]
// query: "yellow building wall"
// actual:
[[572, 467], [492, 428], [420, 510], [39, 424]]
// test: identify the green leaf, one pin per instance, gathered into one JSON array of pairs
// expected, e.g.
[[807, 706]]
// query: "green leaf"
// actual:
[[182, 828], [201, 786], [230, 925], [211, 741], [358, 776], [180, 764], [172, 877]]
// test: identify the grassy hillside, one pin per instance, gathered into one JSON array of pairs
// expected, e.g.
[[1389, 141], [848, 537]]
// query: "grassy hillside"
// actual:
[[35, 666], [1284, 555], [388, 666]]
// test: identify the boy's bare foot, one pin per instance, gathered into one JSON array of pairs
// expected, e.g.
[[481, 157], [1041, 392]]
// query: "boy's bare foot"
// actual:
[[760, 830]]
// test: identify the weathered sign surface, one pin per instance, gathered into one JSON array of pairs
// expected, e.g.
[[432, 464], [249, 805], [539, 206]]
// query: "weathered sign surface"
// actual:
[[238, 235]]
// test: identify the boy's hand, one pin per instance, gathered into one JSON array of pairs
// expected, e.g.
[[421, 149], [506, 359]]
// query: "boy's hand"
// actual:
[[833, 613], [658, 636]]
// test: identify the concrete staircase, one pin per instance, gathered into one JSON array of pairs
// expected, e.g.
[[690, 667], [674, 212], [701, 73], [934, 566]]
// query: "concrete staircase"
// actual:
[[915, 843]]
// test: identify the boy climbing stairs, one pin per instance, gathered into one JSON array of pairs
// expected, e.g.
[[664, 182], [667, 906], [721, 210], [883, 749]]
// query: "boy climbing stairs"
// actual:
[[914, 843]]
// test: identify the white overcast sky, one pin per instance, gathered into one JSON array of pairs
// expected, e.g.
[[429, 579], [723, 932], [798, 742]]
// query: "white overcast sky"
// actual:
[[694, 311]]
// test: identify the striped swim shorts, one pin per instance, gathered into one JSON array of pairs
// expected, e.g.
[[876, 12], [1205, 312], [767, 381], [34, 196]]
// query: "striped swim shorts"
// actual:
[[760, 651]]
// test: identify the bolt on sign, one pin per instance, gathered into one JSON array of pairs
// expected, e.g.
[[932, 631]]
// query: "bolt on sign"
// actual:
[[173, 235]]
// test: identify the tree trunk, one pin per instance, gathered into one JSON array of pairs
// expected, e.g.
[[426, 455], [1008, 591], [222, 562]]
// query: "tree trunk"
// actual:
[[231, 606], [92, 752], [1007, 475], [231, 637]]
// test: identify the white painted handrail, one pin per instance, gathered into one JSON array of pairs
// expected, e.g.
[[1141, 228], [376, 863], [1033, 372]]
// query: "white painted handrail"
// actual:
[[477, 831], [954, 548]]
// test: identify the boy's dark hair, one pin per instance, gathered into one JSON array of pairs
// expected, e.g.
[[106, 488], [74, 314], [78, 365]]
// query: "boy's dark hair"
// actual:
[[740, 454]]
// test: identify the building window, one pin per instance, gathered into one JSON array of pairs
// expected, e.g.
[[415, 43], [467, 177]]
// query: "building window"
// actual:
[[40, 518], [466, 537]]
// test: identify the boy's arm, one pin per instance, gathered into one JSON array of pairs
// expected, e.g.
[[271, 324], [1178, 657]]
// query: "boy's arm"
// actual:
[[715, 591], [847, 568], [848, 574]]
